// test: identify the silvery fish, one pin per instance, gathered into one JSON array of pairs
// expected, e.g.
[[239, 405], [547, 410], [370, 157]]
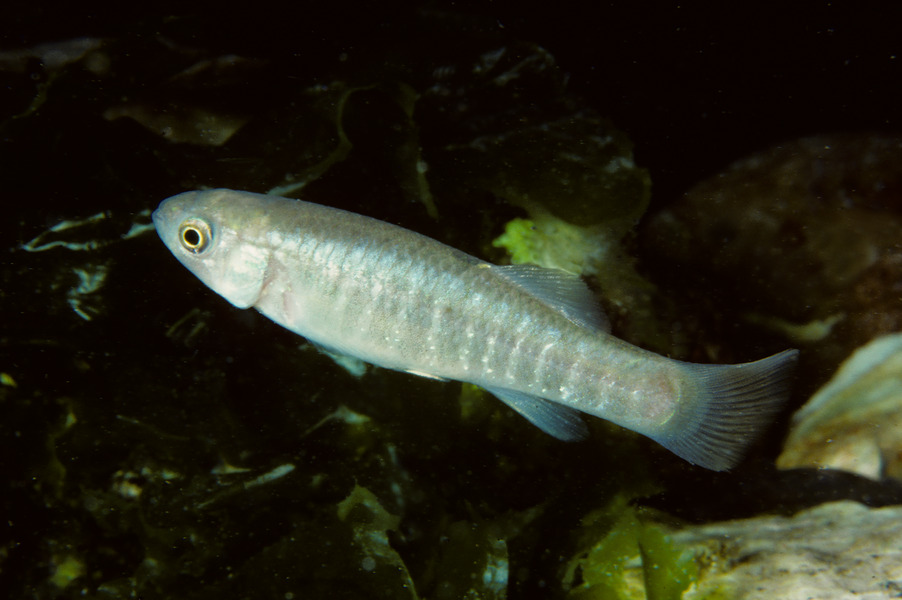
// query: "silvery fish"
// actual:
[[533, 337]]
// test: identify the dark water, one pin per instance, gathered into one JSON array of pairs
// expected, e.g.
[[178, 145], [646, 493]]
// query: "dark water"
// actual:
[[157, 442]]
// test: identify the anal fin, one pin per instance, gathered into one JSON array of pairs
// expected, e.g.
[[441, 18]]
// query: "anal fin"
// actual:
[[556, 420]]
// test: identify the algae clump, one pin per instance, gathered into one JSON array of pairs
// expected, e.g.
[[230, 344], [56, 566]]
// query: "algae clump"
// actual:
[[628, 556], [371, 524]]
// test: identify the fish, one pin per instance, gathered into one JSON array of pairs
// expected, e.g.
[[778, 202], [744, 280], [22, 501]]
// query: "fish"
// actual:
[[535, 338]]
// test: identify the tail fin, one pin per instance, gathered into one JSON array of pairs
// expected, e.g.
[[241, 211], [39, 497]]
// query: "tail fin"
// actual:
[[731, 405]]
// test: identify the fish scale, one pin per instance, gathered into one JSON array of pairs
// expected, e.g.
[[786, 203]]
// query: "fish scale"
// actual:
[[533, 337]]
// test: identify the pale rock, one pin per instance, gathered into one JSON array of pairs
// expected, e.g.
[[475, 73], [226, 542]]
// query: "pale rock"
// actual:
[[854, 422], [839, 550]]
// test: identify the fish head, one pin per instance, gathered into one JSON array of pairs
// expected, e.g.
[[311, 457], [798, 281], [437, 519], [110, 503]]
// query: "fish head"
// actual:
[[209, 235]]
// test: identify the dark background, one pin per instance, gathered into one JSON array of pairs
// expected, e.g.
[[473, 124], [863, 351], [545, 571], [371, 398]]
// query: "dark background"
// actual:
[[694, 85]]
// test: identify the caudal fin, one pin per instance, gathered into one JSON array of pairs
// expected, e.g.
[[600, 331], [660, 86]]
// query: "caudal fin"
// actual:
[[729, 408]]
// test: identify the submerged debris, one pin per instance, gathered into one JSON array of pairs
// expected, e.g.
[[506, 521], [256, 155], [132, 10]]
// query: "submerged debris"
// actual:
[[854, 422]]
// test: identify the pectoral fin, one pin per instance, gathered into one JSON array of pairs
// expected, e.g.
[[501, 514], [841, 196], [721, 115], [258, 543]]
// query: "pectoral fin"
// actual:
[[554, 419], [351, 364], [424, 374]]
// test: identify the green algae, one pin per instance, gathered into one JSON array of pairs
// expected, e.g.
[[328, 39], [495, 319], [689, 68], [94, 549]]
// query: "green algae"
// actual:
[[378, 563], [554, 243], [629, 556], [668, 568], [66, 570]]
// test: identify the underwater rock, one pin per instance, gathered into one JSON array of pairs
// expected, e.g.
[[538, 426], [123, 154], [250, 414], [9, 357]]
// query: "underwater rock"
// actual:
[[802, 239], [834, 551], [854, 422]]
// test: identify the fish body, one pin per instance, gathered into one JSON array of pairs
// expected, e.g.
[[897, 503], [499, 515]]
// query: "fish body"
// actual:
[[533, 337]]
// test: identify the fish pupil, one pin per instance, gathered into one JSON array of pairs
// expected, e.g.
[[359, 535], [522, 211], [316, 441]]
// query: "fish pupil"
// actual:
[[192, 237], [195, 235]]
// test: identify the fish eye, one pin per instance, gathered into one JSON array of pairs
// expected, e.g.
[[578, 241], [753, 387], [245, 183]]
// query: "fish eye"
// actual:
[[195, 236]]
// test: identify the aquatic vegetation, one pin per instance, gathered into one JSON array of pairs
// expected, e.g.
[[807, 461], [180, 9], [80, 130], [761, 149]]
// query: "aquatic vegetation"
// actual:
[[629, 556], [89, 235], [371, 548], [554, 243]]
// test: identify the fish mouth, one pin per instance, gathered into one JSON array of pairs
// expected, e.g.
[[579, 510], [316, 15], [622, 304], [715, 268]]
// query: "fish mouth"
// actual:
[[159, 217], [163, 221]]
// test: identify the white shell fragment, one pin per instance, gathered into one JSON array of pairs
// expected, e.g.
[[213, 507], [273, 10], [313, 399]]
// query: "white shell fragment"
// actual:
[[854, 422]]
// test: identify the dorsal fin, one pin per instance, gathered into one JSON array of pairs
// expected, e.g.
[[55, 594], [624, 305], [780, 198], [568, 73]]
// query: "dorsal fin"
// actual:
[[559, 290]]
